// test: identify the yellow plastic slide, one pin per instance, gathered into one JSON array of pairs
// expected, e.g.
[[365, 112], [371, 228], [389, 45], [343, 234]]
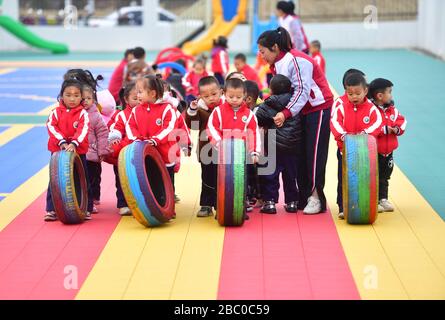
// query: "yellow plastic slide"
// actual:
[[220, 27]]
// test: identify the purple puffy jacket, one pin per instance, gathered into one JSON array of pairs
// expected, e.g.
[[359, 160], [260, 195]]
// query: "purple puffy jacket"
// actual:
[[97, 135]]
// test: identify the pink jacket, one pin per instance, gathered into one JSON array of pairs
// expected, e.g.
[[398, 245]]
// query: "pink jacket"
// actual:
[[97, 135]]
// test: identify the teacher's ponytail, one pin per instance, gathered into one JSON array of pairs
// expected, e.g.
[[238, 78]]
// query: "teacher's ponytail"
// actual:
[[279, 37]]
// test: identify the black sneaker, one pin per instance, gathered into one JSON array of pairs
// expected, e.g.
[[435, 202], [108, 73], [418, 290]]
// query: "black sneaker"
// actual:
[[205, 212], [269, 207], [291, 207]]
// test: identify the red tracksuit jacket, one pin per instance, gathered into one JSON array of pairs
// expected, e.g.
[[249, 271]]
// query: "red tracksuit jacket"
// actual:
[[252, 75], [220, 61], [70, 126], [391, 117], [347, 118], [190, 82], [224, 122], [318, 57], [155, 122]]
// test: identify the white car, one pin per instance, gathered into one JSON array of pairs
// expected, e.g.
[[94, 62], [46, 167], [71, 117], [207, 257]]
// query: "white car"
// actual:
[[129, 16]]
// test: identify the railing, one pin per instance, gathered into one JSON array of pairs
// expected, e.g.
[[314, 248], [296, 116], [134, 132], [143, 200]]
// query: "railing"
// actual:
[[192, 17]]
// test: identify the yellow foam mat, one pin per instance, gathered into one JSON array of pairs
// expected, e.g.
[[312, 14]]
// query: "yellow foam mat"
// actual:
[[179, 260], [13, 132], [401, 256]]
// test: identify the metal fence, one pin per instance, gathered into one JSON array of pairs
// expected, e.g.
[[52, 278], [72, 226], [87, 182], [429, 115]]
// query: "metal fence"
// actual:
[[346, 10]]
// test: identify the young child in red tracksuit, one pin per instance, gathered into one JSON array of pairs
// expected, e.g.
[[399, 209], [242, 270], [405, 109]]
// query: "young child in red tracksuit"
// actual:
[[394, 125], [220, 59], [315, 50], [234, 119], [191, 79], [118, 139], [154, 121], [241, 65], [181, 132], [68, 127], [353, 113], [196, 118]]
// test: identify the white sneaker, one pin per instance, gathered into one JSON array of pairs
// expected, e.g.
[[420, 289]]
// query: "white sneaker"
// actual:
[[87, 215], [380, 208], [341, 215], [125, 211], [386, 205], [313, 206]]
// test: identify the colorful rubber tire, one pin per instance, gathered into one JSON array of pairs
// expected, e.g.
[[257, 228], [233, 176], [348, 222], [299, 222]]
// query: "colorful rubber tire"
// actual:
[[69, 189], [146, 184], [231, 186], [360, 179]]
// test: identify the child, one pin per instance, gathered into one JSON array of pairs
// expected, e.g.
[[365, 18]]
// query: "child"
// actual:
[[196, 117], [68, 130], [181, 133], [118, 139], [353, 114], [394, 125], [242, 66], [117, 77], [153, 120], [220, 59], [287, 140], [98, 144], [234, 119], [315, 50], [253, 180], [191, 79]]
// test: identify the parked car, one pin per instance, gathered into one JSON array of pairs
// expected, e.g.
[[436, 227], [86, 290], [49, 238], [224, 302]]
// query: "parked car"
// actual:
[[129, 16]]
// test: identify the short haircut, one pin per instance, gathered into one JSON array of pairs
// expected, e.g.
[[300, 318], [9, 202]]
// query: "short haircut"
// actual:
[[241, 56], [316, 44], [356, 79], [252, 89], [349, 72], [280, 84], [205, 81], [138, 52], [128, 52], [235, 84], [379, 85]]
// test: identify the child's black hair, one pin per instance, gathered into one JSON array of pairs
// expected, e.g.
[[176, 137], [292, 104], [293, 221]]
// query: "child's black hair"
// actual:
[[128, 52], [125, 91], [205, 81], [241, 56], [316, 44], [349, 72], [279, 37], [280, 84], [69, 83], [235, 84], [155, 83], [378, 85], [252, 89], [138, 53], [288, 7], [221, 41], [355, 79], [85, 77]]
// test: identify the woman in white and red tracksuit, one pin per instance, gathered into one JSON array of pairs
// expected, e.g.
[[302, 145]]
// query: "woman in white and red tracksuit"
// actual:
[[292, 23], [393, 126], [312, 99], [68, 127], [352, 114], [220, 59], [154, 121]]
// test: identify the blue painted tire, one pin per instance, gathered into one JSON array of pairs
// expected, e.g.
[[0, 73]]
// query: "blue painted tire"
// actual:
[[69, 188], [146, 184], [360, 179]]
